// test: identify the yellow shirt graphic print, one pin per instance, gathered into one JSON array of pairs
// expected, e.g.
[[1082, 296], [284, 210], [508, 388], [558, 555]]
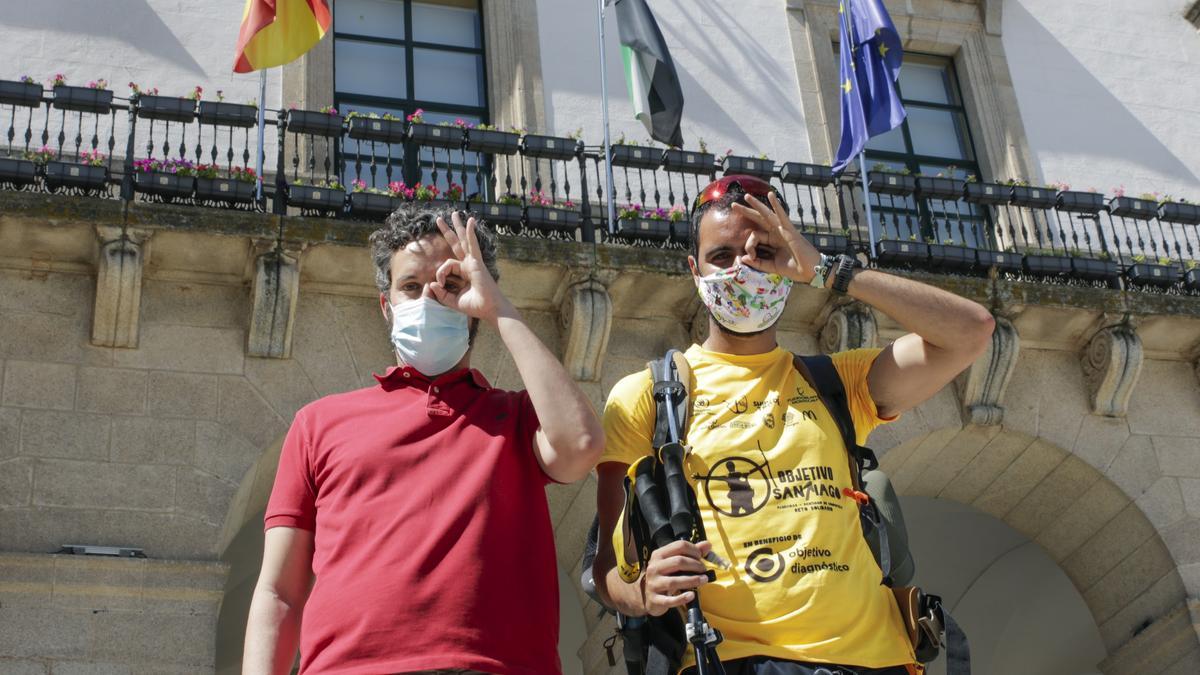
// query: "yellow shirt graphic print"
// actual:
[[769, 467]]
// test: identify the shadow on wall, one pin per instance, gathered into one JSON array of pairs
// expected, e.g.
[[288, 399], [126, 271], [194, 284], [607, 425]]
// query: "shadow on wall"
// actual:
[[131, 21], [1019, 610], [1067, 110]]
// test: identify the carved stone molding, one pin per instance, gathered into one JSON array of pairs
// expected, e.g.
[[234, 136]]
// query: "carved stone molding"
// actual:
[[982, 387], [849, 325], [586, 318], [1112, 362], [275, 292], [118, 287]]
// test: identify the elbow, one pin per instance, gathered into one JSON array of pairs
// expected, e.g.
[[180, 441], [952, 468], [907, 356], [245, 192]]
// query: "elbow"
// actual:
[[581, 455], [978, 335]]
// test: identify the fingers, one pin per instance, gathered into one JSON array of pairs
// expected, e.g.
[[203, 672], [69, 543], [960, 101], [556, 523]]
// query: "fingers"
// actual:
[[438, 287], [472, 238], [753, 214], [673, 574], [777, 207], [752, 242], [452, 236]]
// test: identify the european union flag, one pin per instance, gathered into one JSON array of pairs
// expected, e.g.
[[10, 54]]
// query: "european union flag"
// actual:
[[870, 63]]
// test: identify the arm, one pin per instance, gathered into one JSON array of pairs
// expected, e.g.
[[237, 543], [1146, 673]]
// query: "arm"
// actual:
[[570, 439], [947, 333], [273, 627], [671, 574]]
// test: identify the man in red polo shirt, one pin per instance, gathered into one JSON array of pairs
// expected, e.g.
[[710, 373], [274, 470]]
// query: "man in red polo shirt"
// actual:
[[408, 529]]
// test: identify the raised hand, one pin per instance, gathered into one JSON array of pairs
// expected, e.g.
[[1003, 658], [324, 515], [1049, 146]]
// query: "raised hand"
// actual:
[[479, 296], [794, 256]]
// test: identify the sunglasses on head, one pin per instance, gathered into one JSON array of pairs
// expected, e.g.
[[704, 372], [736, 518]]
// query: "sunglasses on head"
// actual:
[[747, 185]]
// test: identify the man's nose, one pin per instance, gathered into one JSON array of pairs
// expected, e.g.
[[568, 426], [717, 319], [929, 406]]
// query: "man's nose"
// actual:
[[427, 291]]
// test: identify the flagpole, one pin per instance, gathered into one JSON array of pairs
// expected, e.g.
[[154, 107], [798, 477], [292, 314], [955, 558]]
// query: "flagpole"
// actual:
[[262, 123], [862, 163], [604, 111]]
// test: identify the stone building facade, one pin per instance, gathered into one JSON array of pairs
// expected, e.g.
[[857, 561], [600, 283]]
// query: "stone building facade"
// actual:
[[152, 357]]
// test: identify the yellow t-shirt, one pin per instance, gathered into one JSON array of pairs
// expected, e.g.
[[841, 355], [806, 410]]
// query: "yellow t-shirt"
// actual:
[[768, 466]]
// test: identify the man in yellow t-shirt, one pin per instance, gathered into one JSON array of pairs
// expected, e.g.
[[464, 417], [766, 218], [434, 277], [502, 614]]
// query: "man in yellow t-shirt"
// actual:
[[767, 463]]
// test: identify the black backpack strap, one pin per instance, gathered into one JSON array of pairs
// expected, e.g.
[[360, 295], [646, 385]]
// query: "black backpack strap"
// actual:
[[671, 377], [822, 375]]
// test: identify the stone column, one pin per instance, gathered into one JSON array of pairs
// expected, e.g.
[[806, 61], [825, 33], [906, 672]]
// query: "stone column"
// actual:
[[1112, 361], [118, 287], [275, 292], [982, 387]]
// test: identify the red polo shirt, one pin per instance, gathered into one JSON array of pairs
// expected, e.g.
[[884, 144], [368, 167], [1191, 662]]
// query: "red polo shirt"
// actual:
[[433, 542]]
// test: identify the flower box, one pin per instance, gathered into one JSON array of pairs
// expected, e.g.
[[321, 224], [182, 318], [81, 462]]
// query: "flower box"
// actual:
[[886, 183], [750, 166], [548, 147], [1047, 265], [169, 108], [17, 171], [636, 157], [28, 94], [897, 251], [72, 175], [1129, 207], [1179, 212], [378, 130], [225, 190], [932, 187], [548, 217], [314, 123], [687, 161], [1191, 279], [829, 244], [168, 185], [1033, 197], [501, 214], [372, 206], [83, 99], [442, 205], [436, 136], [986, 193], [1151, 274], [815, 175], [1080, 202], [228, 114], [1004, 261], [316, 198], [493, 142], [950, 257], [644, 228], [1092, 269]]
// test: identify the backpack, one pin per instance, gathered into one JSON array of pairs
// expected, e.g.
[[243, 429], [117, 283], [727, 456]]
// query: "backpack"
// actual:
[[653, 645]]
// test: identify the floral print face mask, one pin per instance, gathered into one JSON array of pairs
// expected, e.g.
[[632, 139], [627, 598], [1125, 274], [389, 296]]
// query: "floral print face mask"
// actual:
[[743, 299]]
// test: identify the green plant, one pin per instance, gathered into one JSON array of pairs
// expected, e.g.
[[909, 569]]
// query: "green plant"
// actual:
[[92, 158], [912, 237], [58, 80], [328, 110], [1190, 264], [971, 178], [486, 127], [1016, 182], [41, 156], [509, 199], [576, 135], [1139, 258], [243, 174], [196, 93], [332, 184], [948, 242], [98, 84], [762, 156], [206, 170], [1104, 255], [1164, 261], [703, 145]]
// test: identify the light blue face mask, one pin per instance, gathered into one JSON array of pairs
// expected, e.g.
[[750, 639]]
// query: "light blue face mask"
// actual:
[[428, 335]]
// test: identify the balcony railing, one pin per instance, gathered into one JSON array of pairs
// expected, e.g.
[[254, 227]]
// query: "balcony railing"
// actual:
[[82, 140]]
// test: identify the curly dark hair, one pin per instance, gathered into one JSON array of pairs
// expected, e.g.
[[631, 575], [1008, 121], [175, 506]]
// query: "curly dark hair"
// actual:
[[415, 221], [723, 203]]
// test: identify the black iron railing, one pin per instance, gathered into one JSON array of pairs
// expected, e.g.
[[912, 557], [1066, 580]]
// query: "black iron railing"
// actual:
[[199, 152]]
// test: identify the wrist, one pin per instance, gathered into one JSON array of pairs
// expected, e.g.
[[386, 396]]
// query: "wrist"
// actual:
[[506, 311]]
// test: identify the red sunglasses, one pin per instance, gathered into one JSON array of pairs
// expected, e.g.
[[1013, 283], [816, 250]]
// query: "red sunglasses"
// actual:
[[745, 184]]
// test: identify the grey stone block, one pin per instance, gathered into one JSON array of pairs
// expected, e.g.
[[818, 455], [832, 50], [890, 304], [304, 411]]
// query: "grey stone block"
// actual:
[[1190, 487], [111, 390], [146, 439], [1053, 496], [1130, 579], [186, 348], [152, 638], [97, 583], [282, 382], [1100, 504], [1178, 456], [39, 336], [1135, 468], [10, 431], [16, 482], [223, 453], [30, 384], [1183, 540], [183, 304], [1169, 407], [182, 395], [1100, 439], [43, 632], [184, 587], [203, 495], [1162, 503], [90, 668], [162, 535], [102, 485], [26, 580], [1109, 546], [23, 667], [982, 471], [319, 345], [1019, 479], [64, 434], [1166, 593], [243, 410]]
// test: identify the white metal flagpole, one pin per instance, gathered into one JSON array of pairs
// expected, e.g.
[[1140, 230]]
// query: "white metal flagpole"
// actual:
[[612, 209], [262, 119], [862, 163]]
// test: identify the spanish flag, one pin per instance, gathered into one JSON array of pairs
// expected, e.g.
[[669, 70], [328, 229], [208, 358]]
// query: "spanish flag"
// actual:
[[275, 32]]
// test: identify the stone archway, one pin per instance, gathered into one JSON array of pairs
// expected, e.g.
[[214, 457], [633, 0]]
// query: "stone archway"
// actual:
[[1097, 534]]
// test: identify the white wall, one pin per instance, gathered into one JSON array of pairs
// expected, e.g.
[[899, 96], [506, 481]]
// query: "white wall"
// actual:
[[734, 61], [1109, 91]]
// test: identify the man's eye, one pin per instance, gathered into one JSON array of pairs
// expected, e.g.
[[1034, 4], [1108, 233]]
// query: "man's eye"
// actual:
[[410, 288], [765, 253]]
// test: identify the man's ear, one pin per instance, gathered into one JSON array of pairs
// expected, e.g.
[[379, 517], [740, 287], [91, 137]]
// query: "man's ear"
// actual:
[[385, 307], [694, 266]]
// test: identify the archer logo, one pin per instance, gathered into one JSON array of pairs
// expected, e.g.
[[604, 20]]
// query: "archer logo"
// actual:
[[739, 406]]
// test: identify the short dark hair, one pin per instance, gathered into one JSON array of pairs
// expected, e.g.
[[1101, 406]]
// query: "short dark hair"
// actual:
[[413, 222]]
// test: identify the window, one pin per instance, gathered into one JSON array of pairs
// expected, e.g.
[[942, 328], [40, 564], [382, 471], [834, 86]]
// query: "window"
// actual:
[[1193, 14], [934, 139], [395, 56]]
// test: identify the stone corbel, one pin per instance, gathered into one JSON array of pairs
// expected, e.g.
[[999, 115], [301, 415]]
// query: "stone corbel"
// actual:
[[585, 315], [992, 18], [848, 324], [1112, 362], [982, 387], [275, 292], [118, 286]]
